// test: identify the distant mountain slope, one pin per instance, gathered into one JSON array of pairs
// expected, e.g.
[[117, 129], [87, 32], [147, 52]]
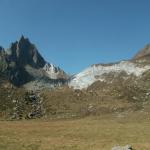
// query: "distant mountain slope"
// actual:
[[22, 63], [110, 72]]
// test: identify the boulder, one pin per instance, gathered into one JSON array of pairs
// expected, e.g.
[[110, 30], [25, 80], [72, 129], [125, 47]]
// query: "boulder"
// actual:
[[127, 147]]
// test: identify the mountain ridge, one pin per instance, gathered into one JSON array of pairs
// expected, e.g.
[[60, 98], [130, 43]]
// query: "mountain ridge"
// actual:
[[32, 90], [24, 65], [136, 66]]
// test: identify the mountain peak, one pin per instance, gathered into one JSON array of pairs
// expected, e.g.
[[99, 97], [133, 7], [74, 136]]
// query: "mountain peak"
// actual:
[[23, 40], [25, 53], [23, 63], [145, 52], [22, 37]]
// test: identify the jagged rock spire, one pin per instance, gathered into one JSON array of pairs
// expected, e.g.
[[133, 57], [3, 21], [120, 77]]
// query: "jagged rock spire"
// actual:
[[23, 63], [23, 52], [22, 37]]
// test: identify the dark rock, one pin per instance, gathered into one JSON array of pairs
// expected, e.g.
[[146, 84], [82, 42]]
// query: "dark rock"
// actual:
[[23, 52]]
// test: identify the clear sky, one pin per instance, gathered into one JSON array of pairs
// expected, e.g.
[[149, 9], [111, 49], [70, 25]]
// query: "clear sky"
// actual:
[[74, 34]]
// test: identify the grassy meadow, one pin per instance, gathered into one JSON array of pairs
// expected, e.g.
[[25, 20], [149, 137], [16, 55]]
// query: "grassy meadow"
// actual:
[[90, 133]]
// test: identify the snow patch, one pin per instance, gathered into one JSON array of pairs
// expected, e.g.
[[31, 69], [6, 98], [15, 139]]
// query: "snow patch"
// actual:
[[51, 70]]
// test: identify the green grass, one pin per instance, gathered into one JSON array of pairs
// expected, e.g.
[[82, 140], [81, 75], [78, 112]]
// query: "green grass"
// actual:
[[101, 133]]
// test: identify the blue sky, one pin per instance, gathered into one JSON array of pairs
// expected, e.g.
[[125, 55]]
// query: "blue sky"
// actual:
[[74, 34]]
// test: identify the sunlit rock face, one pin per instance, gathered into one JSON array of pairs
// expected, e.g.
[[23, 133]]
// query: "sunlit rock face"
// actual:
[[54, 72]]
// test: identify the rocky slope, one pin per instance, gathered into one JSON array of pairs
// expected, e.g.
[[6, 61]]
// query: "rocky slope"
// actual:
[[143, 53], [24, 66], [17, 103]]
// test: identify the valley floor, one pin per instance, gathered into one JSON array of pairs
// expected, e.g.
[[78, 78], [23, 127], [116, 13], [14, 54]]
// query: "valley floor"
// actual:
[[91, 133]]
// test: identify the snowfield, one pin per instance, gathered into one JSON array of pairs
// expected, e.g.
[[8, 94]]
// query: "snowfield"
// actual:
[[88, 76]]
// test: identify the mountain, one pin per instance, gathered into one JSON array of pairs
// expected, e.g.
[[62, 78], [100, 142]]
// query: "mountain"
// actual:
[[110, 72], [143, 53], [23, 64], [23, 53], [27, 84]]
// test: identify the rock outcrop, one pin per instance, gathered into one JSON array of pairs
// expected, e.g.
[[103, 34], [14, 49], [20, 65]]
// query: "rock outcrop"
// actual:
[[145, 52]]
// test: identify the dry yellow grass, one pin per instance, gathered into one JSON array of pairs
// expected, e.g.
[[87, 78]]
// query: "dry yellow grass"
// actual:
[[80, 134]]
